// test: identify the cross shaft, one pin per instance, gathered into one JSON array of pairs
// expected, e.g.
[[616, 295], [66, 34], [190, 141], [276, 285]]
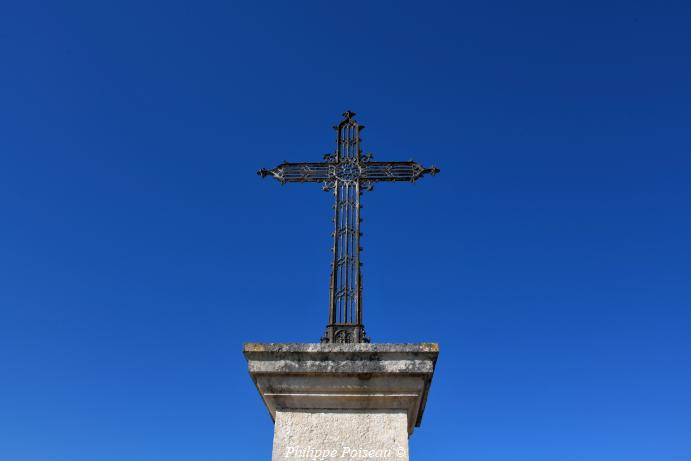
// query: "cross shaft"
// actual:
[[347, 173]]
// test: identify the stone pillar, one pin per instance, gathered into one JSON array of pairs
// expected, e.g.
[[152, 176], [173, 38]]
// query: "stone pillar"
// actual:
[[342, 401]]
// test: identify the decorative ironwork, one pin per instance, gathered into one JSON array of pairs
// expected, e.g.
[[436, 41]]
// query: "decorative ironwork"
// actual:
[[347, 173]]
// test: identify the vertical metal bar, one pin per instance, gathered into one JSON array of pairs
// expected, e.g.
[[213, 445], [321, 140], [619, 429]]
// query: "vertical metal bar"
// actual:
[[334, 268], [351, 242], [351, 238], [346, 255], [358, 276], [335, 272]]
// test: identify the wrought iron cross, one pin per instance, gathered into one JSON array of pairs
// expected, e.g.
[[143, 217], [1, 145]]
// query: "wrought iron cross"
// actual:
[[347, 173]]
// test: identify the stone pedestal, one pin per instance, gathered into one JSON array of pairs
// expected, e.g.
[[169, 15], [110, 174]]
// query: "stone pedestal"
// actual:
[[342, 401]]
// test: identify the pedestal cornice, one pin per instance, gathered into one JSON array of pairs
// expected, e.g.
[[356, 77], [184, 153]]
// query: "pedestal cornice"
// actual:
[[353, 377]]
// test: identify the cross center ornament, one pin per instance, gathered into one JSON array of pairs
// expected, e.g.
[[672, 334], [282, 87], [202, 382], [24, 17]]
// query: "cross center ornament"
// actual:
[[347, 173]]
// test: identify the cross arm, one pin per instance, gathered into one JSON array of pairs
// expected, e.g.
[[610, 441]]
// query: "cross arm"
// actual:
[[298, 172], [396, 171]]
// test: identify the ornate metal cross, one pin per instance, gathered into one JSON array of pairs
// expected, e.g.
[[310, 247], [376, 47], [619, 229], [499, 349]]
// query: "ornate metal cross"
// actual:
[[347, 173]]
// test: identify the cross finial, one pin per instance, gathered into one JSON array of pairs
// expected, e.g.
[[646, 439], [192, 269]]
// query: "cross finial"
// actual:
[[347, 173]]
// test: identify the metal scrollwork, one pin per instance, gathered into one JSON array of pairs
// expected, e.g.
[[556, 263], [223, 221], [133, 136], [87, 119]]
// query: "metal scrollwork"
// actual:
[[347, 173]]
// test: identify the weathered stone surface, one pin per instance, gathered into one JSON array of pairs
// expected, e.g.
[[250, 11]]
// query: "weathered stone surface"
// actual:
[[341, 358], [329, 379], [341, 348], [322, 435]]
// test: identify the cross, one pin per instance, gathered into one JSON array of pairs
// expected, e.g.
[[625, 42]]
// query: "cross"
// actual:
[[347, 173]]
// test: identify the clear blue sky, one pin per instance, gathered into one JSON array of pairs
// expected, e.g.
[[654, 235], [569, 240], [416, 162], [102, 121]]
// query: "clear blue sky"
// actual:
[[551, 258]]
